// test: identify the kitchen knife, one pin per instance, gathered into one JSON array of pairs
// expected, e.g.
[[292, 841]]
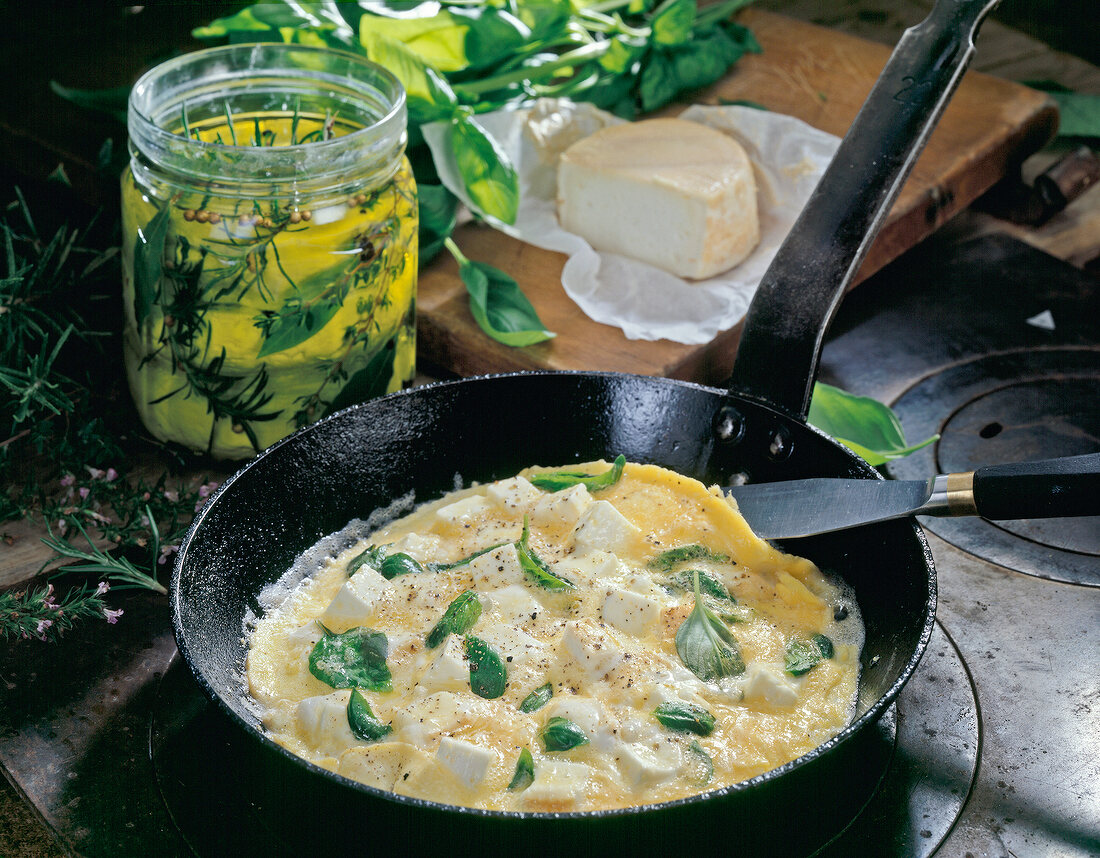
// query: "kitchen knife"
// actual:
[[1046, 489]]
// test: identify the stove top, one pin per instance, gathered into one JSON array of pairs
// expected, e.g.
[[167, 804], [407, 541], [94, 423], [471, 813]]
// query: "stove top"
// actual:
[[992, 749]]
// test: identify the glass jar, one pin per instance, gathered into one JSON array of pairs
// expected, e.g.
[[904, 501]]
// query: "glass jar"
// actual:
[[269, 243]]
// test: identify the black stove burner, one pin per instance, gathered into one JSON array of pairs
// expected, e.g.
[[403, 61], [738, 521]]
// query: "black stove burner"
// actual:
[[201, 761]]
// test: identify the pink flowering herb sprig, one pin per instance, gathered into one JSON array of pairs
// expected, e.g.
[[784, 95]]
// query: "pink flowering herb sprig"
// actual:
[[41, 615], [116, 568]]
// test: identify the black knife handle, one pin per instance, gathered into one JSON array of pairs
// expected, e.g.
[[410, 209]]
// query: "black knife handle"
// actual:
[[1046, 489]]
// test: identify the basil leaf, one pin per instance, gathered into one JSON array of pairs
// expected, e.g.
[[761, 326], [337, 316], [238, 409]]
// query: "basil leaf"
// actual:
[[444, 567], [535, 567], [459, 618], [400, 564], [310, 307], [429, 96], [700, 767], [362, 721], [487, 174], [354, 659], [705, 646], [664, 561], [525, 772], [438, 209], [561, 734], [673, 21], [537, 698], [803, 656], [439, 40], [683, 581], [371, 558], [862, 424], [492, 34], [685, 718], [368, 382], [558, 480], [488, 676]]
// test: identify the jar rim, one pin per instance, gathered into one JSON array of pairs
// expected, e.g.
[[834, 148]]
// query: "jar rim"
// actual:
[[230, 66]]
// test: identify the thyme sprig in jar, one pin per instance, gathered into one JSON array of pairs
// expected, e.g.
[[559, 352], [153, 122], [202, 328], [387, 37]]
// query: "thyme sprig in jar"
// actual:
[[269, 243]]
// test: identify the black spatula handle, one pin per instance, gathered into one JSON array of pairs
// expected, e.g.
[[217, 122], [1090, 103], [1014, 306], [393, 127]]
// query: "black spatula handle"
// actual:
[[1046, 489]]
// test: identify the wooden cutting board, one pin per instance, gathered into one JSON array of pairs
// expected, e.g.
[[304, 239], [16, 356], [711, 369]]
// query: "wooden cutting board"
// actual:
[[810, 72]]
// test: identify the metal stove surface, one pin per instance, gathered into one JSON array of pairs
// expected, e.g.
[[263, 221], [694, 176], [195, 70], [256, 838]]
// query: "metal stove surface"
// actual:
[[992, 749]]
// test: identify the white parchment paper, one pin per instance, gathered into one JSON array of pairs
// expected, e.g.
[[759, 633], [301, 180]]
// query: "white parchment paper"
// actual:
[[788, 157]]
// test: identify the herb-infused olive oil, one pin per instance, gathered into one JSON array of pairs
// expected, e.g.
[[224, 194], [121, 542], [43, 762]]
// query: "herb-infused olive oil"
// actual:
[[269, 243]]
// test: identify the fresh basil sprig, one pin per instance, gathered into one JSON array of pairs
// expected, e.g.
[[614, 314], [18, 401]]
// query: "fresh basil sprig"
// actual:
[[354, 659], [445, 567], [558, 480], [525, 772], [705, 646], [389, 566], [667, 560], [459, 618], [362, 720], [685, 718], [488, 676], [700, 767], [802, 656], [561, 734], [535, 567], [864, 425], [537, 698]]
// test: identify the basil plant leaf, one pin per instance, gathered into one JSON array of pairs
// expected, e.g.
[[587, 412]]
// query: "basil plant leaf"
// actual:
[[400, 564], [802, 656], [499, 306], [684, 580], [673, 21], [864, 425], [372, 558], [444, 567], [561, 734], [700, 766], [685, 718], [558, 480], [487, 173], [537, 698], [488, 676], [458, 619], [362, 721], [666, 560], [439, 40], [492, 34], [354, 659], [429, 95], [525, 772], [535, 567], [705, 646]]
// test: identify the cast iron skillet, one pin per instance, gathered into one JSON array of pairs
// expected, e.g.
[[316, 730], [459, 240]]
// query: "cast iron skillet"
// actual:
[[360, 459]]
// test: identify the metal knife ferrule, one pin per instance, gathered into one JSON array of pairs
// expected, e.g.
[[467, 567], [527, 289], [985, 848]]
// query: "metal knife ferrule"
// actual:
[[952, 494]]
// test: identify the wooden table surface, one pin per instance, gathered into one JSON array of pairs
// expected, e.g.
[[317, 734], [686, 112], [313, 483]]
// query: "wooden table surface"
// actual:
[[1073, 235]]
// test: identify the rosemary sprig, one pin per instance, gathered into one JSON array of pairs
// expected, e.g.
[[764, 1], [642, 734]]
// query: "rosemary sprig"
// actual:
[[39, 614]]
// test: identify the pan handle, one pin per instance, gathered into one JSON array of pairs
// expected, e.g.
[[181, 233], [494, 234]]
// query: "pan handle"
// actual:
[[786, 323]]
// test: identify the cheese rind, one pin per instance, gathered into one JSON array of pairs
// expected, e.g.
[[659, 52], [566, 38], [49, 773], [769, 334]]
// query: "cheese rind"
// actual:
[[676, 194]]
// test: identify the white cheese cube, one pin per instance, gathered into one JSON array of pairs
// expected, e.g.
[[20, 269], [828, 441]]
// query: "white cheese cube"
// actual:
[[355, 600], [646, 765], [515, 646], [557, 785], [498, 568], [469, 763], [767, 683], [515, 493], [514, 603], [462, 510], [378, 764], [448, 669], [673, 193], [305, 637], [631, 612], [422, 547], [323, 722], [588, 714], [594, 651], [602, 527], [563, 507], [427, 717]]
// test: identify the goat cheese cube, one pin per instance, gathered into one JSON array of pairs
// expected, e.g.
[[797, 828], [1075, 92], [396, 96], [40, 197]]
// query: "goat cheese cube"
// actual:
[[767, 683], [515, 645], [427, 717], [563, 507], [673, 193], [514, 603], [465, 509], [602, 527], [355, 600], [422, 547], [323, 722], [448, 669], [589, 714], [646, 765], [633, 613], [557, 785], [513, 493], [596, 653], [498, 568], [470, 763]]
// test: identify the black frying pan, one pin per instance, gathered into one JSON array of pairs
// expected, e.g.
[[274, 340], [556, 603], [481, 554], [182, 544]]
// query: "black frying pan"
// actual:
[[314, 482]]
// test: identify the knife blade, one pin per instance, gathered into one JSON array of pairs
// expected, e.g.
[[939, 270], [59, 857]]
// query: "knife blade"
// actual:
[[1047, 489]]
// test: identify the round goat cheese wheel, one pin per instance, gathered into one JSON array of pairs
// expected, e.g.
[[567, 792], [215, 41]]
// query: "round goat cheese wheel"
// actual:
[[676, 194]]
